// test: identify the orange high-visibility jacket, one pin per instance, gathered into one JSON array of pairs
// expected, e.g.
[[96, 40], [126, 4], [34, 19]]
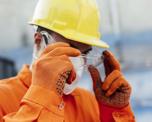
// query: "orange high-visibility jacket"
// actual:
[[22, 102]]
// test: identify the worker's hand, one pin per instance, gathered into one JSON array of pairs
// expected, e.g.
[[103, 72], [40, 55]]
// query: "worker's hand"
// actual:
[[53, 67], [114, 90]]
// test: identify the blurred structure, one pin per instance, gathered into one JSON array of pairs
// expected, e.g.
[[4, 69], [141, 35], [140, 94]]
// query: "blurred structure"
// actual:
[[127, 25], [7, 68]]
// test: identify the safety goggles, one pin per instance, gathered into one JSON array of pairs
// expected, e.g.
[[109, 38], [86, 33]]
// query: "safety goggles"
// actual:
[[92, 58]]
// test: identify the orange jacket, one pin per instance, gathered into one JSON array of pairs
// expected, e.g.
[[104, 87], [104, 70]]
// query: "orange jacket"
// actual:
[[22, 102]]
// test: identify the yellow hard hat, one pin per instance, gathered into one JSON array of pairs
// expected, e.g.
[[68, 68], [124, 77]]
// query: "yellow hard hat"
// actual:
[[77, 20]]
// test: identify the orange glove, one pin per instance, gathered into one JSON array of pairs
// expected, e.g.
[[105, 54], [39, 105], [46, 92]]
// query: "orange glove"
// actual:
[[53, 67], [115, 90]]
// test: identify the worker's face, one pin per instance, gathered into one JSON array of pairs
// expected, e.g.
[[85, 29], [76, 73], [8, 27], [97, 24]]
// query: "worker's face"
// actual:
[[80, 63]]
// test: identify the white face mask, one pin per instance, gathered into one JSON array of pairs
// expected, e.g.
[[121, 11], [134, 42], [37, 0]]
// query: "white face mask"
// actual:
[[79, 68]]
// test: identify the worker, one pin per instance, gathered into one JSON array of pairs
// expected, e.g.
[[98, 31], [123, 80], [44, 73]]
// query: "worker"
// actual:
[[46, 91]]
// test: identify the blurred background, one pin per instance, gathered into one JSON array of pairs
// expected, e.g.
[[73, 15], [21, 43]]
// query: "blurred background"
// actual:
[[125, 24]]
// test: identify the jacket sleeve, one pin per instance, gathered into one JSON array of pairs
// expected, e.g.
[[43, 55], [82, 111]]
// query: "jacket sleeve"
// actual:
[[11, 93], [38, 104], [110, 114]]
